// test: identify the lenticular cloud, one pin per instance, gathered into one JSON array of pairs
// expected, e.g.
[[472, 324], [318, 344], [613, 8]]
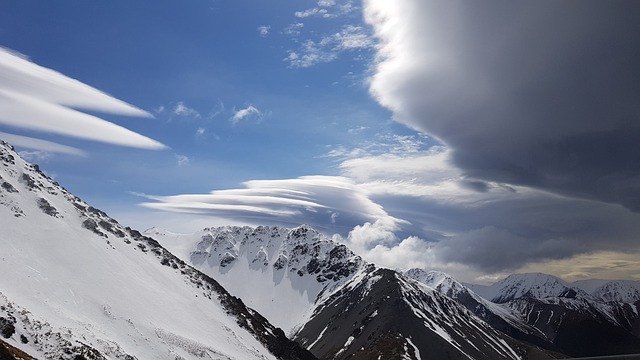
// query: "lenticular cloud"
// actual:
[[33, 97]]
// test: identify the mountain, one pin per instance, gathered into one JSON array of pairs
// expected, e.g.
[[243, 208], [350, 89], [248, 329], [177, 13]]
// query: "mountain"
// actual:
[[577, 321], [333, 302], [624, 291], [498, 316], [534, 285], [76, 284]]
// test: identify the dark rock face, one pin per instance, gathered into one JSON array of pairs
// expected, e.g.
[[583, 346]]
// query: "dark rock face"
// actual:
[[46, 208], [8, 187], [7, 328], [385, 316], [577, 327]]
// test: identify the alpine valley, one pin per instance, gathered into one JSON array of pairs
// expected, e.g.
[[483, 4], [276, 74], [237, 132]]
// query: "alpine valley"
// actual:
[[76, 284]]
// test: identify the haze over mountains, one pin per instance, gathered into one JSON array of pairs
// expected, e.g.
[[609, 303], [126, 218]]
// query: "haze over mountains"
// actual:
[[76, 284]]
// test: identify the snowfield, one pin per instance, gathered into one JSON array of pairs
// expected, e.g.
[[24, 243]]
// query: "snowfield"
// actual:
[[76, 282]]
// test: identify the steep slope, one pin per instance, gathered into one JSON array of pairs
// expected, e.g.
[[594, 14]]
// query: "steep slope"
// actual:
[[280, 272], [76, 284], [576, 322], [331, 301], [534, 285], [380, 313], [624, 291], [498, 316]]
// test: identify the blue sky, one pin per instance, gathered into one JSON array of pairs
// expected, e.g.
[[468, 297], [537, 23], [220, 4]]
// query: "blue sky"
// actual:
[[327, 112]]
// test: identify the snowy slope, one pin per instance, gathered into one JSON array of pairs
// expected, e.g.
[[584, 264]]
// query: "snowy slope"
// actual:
[[500, 317], [580, 319], [380, 314], [280, 272], [75, 282], [317, 290], [533, 285], [624, 291]]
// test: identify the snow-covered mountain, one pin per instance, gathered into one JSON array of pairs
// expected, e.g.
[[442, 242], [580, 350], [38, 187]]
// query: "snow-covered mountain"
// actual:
[[498, 316], [76, 284], [280, 272], [533, 285], [333, 302], [576, 317], [623, 291]]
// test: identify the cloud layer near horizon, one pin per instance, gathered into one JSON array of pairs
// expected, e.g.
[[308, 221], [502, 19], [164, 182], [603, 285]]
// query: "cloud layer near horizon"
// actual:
[[36, 98]]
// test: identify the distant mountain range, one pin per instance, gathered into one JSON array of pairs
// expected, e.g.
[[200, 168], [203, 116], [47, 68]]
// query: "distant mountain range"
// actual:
[[78, 285]]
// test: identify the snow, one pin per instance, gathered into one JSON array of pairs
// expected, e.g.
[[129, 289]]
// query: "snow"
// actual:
[[271, 267], [534, 285], [415, 349], [99, 290], [624, 291]]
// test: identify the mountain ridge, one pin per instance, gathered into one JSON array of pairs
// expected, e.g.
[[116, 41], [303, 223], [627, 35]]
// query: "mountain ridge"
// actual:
[[83, 285]]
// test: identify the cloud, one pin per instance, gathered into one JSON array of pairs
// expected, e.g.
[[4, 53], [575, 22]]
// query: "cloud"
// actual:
[[330, 203], [523, 93], [41, 146], [249, 111], [328, 47], [182, 160], [36, 98], [183, 110], [327, 9], [264, 30], [293, 29]]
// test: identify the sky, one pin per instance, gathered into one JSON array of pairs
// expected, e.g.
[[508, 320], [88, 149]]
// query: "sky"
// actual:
[[476, 138]]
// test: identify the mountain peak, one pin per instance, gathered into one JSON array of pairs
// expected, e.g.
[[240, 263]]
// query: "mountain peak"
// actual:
[[290, 268], [76, 282], [531, 285]]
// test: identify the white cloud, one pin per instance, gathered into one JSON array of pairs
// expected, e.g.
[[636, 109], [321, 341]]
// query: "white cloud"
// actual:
[[352, 37], [326, 3], [182, 160], [327, 48], [312, 12], [328, 9], [200, 131], [245, 113], [183, 110], [294, 29], [264, 30], [314, 200], [41, 146], [36, 98]]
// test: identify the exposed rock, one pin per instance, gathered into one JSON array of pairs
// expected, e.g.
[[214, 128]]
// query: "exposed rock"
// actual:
[[47, 208]]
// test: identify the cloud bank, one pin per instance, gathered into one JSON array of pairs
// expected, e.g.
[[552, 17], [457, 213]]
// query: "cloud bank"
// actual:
[[542, 94], [36, 98]]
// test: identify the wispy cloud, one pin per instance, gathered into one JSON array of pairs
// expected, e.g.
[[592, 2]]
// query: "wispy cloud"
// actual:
[[183, 110], [242, 114], [182, 160], [37, 98], [327, 202], [264, 30], [294, 29], [327, 9], [42, 146], [329, 47]]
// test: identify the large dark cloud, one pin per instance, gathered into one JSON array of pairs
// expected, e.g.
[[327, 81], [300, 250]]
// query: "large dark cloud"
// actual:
[[538, 93]]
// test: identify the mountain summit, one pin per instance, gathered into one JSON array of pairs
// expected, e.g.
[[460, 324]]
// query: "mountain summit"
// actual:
[[333, 302], [78, 285]]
